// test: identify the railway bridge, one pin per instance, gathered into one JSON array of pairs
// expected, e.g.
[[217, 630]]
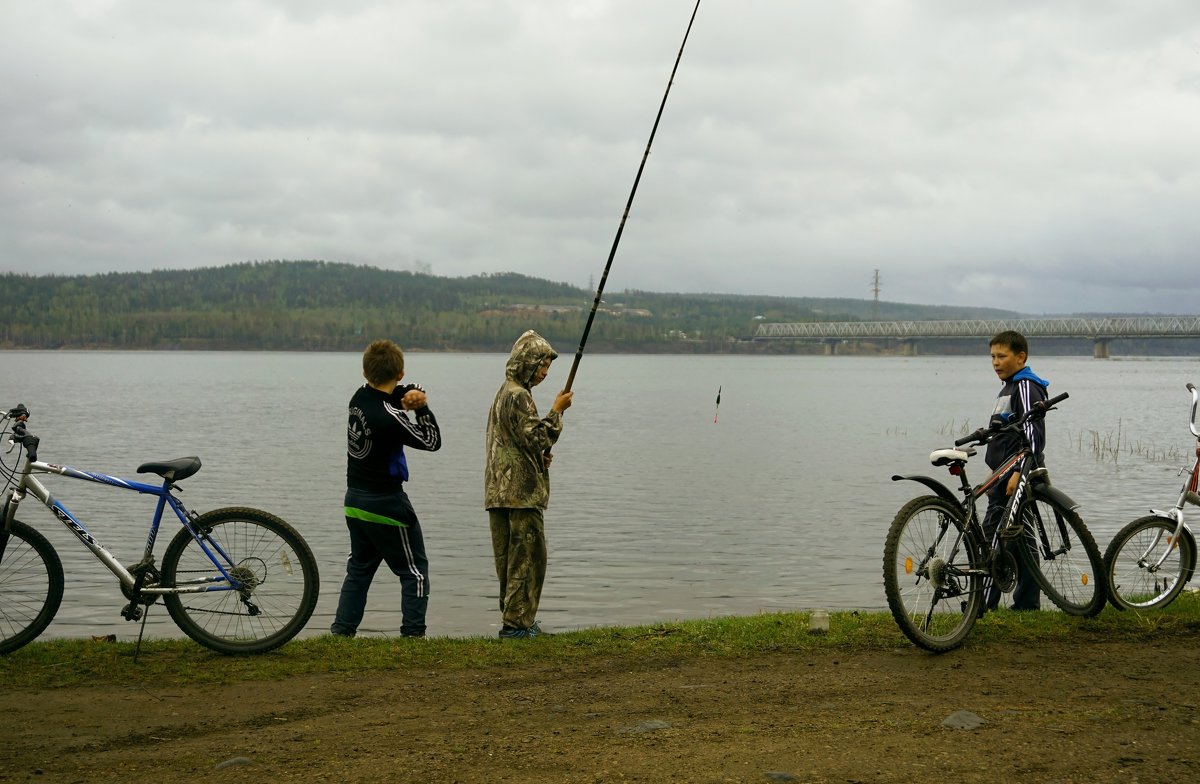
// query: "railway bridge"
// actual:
[[1101, 331]]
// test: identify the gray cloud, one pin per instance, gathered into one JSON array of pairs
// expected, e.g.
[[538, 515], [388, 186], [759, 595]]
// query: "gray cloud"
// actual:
[[1031, 155]]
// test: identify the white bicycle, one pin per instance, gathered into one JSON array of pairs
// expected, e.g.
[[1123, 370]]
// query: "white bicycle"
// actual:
[[1152, 559]]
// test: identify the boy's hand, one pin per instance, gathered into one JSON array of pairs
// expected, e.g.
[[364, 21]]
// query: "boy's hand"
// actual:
[[563, 401], [1012, 482], [413, 399]]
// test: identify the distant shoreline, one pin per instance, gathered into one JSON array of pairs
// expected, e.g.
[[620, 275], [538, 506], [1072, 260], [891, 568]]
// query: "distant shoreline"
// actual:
[[744, 348]]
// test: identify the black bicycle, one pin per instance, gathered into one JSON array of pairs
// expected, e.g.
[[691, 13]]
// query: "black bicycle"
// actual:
[[938, 564]]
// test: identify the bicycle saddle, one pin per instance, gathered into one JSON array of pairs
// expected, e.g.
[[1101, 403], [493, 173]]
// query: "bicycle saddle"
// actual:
[[175, 470], [941, 457]]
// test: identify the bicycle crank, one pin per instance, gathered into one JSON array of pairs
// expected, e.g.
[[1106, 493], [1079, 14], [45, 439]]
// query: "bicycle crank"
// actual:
[[1004, 571], [145, 576]]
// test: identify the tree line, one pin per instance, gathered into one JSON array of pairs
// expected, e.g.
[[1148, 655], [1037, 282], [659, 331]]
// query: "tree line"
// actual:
[[326, 306]]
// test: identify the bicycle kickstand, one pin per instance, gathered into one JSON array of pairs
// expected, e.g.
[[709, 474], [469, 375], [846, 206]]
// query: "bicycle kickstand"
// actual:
[[141, 631]]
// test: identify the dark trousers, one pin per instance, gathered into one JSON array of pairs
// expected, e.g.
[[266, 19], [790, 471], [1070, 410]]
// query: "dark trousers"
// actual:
[[1026, 595], [401, 547]]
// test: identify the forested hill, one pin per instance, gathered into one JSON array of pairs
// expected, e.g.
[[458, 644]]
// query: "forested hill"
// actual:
[[316, 305]]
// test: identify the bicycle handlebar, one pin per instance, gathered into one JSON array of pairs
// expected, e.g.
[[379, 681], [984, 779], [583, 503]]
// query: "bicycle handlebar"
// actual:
[[1036, 411], [1052, 402], [1195, 401], [979, 436], [19, 435], [26, 439]]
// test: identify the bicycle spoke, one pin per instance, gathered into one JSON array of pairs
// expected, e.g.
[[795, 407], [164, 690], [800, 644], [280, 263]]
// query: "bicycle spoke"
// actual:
[[1147, 564], [266, 594], [31, 587], [1062, 557], [929, 575]]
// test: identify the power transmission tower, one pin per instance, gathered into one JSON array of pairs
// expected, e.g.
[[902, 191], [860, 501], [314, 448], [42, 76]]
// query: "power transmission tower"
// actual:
[[875, 290]]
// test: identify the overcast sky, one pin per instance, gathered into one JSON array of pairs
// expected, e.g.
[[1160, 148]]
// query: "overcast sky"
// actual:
[[1027, 154]]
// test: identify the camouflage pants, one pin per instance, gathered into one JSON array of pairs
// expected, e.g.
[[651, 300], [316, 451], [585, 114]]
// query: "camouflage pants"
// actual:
[[519, 544]]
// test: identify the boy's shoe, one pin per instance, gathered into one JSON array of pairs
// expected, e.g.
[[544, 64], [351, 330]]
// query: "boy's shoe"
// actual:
[[513, 633], [536, 628]]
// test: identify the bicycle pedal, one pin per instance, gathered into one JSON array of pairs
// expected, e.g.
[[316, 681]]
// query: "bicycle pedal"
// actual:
[[1012, 532], [131, 612]]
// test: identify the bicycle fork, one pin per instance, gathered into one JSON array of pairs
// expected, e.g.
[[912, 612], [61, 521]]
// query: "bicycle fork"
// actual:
[[5, 527]]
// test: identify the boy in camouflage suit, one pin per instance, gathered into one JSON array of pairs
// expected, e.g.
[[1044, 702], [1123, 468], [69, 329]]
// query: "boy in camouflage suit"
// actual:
[[517, 482]]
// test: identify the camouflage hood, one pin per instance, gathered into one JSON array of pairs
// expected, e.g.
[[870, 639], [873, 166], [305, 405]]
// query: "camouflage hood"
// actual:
[[528, 353]]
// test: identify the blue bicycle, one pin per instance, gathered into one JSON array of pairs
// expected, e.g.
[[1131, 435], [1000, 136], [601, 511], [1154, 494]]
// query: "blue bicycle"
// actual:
[[236, 580]]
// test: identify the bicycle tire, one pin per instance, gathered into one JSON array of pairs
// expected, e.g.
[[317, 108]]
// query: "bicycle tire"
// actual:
[[1132, 583], [1062, 557], [279, 569], [928, 549], [31, 586]]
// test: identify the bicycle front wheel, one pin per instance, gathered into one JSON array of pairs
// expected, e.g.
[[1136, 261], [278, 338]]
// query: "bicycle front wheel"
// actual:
[[247, 585], [1147, 566], [1062, 557], [31, 586], [931, 574]]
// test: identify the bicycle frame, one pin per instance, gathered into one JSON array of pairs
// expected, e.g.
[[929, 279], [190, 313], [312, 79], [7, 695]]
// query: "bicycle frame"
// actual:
[[972, 494], [29, 483], [1027, 484]]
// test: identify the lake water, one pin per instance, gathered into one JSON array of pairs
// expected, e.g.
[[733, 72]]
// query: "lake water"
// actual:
[[657, 513]]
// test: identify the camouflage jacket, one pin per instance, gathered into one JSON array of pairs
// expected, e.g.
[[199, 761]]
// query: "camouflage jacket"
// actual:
[[515, 475]]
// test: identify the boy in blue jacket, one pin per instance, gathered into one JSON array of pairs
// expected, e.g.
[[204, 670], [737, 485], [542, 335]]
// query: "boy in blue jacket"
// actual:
[[1022, 388]]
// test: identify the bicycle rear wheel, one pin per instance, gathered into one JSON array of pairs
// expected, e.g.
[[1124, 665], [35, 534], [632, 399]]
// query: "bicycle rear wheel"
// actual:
[[1136, 579], [1061, 555], [275, 574], [930, 574], [31, 586]]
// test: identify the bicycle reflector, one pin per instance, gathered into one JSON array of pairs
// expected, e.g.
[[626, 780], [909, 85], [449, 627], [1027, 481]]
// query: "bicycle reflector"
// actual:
[[908, 565]]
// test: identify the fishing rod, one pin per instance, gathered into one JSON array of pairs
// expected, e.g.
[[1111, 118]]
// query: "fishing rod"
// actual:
[[587, 328]]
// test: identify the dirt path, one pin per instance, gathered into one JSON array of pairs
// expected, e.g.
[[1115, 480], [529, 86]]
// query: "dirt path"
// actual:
[[1108, 712]]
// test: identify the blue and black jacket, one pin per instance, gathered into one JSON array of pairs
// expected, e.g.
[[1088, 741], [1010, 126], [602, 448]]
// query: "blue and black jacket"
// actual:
[[377, 433], [1020, 391]]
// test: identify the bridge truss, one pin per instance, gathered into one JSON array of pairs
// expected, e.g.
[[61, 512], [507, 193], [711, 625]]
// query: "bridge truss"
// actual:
[[1093, 328], [1101, 331]]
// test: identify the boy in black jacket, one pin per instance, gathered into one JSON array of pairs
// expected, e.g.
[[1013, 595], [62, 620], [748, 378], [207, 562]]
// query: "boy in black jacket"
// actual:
[[1022, 388], [381, 520]]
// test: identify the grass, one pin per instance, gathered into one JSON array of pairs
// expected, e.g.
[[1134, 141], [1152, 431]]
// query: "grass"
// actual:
[[65, 663], [955, 428], [1111, 446]]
